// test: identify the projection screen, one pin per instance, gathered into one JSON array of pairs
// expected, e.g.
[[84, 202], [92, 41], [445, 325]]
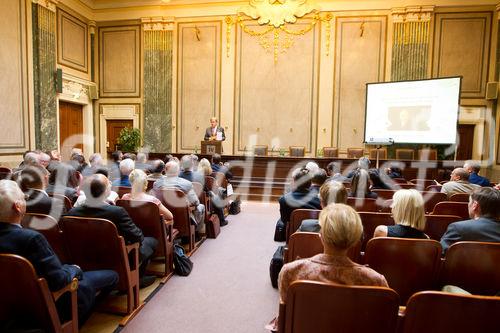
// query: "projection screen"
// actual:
[[424, 111]]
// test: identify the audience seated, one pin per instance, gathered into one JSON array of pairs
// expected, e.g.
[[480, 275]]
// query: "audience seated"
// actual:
[[172, 180], [112, 197], [394, 171], [126, 167], [363, 163], [33, 246], [473, 168], [330, 192], [409, 216], [360, 185], [459, 183], [218, 166], [300, 196], [341, 229], [187, 165], [33, 181], [333, 171], [139, 181], [157, 167], [141, 162], [484, 225], [96, 189], [78, 162], [96, 162], [55, 159], [204, 167], [114, 167], [312, 167], [44, 159], [318, 178], [377, 180], [65, 180]]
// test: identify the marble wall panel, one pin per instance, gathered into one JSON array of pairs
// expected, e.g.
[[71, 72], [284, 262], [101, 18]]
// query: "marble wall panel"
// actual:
[[72, 42]]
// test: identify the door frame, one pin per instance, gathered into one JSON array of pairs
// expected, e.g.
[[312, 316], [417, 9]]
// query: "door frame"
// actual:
[[75, 90], [116, 112]]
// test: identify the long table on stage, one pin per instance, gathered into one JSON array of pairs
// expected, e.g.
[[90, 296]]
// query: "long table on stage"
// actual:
[[266, 177]]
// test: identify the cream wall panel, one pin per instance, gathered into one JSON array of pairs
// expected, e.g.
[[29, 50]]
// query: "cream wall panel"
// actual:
[[462, 42], [199, 53], [72, 42], [359, 59], [276, 103], [14, 136], [120, 70]]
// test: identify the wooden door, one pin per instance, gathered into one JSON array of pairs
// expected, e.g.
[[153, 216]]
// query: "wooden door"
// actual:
[[70, 128], [113, 128], [466, 137]]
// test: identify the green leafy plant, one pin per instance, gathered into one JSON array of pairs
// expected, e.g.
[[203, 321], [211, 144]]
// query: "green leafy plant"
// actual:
[[129, 139]]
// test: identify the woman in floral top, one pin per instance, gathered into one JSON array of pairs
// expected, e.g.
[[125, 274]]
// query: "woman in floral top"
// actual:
[[341, 229]]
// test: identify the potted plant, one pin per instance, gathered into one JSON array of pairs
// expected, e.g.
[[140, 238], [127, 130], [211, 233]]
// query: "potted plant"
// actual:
[[129, 139]]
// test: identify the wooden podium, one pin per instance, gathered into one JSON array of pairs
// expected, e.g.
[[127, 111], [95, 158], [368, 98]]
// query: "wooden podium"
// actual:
[[211, 147]]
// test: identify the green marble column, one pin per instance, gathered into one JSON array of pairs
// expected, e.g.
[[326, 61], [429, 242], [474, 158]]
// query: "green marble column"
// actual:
[[44, 66], [158, 90], [410, 50]]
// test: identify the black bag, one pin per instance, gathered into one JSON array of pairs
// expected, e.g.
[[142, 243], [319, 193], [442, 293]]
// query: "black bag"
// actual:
[[182, 264], [276, 265], [235, 207], [280, 232]]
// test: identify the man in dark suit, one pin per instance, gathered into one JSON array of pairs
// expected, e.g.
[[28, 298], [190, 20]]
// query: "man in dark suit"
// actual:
[[97, 188], [300, 197], [33, 246], [214, 132], [484, 225], [33, 181], [187, 165]]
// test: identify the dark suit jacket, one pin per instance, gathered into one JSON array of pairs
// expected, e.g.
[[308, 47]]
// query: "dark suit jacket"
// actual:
[[115, 214], [67, 191], [208, 133], [33, 246], [480, 230], [223, 169], [193, 176], [295, 200], [40, 203]]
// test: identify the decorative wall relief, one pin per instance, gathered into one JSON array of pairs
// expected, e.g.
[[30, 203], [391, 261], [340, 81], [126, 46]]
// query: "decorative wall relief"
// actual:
[[158, 84], [276, 18]]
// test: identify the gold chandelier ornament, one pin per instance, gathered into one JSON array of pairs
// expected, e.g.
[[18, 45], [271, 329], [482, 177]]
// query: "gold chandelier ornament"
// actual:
[[276, 17]]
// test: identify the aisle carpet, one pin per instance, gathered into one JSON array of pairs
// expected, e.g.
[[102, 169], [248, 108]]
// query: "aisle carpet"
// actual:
[[229, 288]]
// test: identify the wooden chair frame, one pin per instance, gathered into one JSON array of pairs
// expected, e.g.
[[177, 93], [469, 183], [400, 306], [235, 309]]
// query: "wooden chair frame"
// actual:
[[35, 297], [82, 251], [175, 200], [296, 218], [409, 265], [325, 307], [146, 215]]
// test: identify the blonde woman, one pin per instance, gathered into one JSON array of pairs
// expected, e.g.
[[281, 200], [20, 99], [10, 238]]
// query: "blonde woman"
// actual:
[[341, 229], [409, 216], [204, 167], [139, 181]]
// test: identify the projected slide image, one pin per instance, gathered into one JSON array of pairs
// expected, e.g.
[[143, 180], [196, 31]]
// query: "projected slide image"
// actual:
[[409, 118]]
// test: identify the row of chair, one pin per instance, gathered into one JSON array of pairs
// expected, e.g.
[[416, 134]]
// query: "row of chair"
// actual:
[[322, 307], [333, 152], [437, 222], [412, 265]]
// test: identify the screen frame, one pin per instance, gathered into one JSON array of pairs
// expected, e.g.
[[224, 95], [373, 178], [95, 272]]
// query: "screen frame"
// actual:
[[460, 77]]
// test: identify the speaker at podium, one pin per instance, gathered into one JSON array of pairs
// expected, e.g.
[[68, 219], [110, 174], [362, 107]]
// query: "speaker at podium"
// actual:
[[211, 147]]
